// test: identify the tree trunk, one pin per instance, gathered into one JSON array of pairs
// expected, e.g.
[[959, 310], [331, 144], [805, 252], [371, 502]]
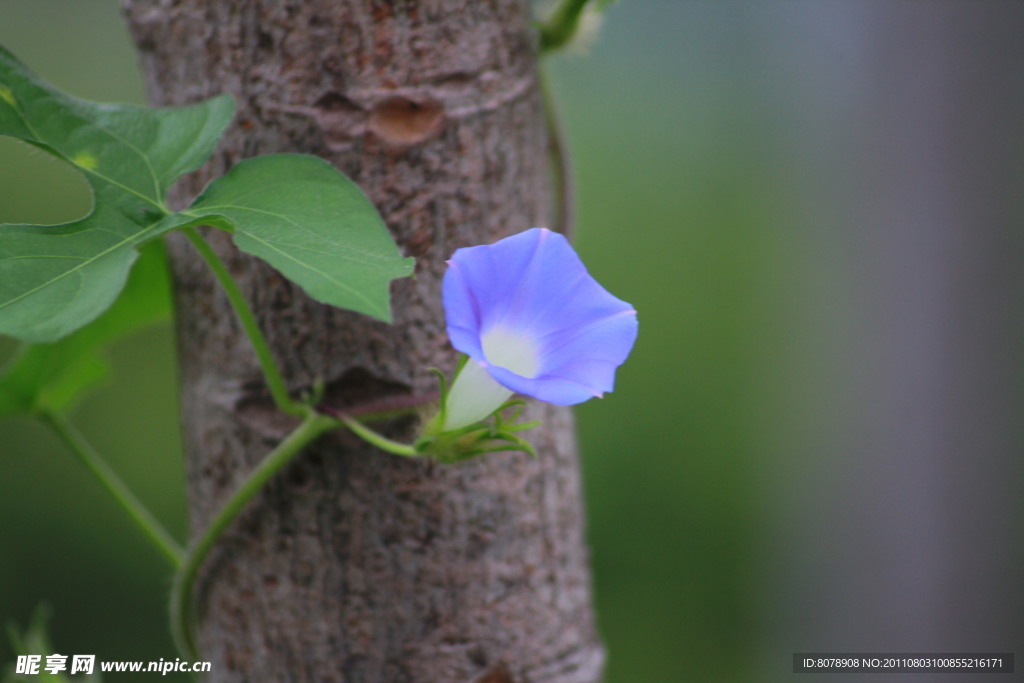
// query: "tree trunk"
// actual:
[[355, 565]]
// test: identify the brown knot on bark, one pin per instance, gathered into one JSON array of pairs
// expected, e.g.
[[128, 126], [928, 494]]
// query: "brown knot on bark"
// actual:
[[497, 674], [401, 122]]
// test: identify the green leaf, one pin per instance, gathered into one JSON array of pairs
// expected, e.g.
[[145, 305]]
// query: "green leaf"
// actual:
[[54, 279], [303, 217], [35, 640], [49, 377]]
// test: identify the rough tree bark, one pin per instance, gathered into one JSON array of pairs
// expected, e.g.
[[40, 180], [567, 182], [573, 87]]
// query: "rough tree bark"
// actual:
[[356, 565]]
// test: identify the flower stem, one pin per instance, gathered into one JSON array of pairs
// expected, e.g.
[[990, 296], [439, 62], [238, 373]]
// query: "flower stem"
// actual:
[[275, 382], [142, 517], [182, 599], [378, 440], [561, 26], [561, 165]]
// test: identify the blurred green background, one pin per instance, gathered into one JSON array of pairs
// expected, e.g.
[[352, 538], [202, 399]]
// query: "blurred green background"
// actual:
[[822, 241]]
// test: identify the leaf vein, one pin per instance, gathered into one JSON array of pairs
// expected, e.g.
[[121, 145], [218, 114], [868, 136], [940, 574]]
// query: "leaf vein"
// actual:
[[322, 274]]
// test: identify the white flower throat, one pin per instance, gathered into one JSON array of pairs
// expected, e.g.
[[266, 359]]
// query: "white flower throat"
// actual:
[[475, 394], [511, 350]]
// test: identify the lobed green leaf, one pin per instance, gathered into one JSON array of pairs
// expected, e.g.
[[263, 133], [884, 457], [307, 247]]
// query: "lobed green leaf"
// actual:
[[49, 377], [55, 279]]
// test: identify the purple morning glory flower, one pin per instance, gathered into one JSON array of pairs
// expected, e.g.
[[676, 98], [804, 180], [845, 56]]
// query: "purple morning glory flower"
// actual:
[[532, 321]]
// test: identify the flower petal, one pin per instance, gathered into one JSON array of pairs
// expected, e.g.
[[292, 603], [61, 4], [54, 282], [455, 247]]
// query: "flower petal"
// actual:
[[462, 311], [481, 283], [583, 368]]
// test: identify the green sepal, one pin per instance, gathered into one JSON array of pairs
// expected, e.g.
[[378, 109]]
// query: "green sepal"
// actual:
[[479, 438]]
